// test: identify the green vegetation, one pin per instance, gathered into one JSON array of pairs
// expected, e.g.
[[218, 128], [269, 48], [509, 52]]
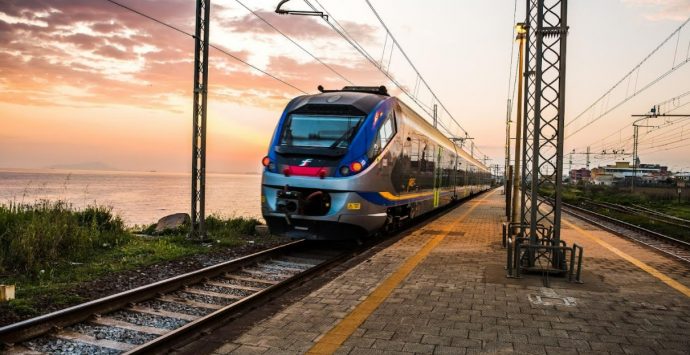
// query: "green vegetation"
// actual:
[[47, 248], [589, 196], [623, 196], [34, 237]]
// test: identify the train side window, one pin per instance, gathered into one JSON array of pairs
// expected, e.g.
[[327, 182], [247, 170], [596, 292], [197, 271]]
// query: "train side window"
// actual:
[[414, 154], [430, 158], [383, 137]]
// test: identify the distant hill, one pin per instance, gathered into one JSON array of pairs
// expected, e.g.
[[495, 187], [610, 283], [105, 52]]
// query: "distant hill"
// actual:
[[96, 165]]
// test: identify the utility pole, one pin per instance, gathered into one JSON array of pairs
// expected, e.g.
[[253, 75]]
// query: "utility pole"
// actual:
[[515, 209], [198, 225], [435, 115], [544, 114], [588, 158], [653, 113], [507, 178]]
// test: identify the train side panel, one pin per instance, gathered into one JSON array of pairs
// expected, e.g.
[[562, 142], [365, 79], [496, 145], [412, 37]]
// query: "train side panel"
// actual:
[[417, 171]]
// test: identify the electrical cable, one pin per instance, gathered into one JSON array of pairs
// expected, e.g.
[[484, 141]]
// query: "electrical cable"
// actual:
[[338, 28], [671, 101], [629, 76], [210, 44], [295, 43]]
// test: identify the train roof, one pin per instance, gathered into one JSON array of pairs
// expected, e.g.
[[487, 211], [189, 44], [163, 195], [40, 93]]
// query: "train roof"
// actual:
[[363, 100], [437, 135]]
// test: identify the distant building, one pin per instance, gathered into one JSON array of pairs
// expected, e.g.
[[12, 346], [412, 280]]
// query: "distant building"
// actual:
[[621, 171], [682, 176], [582, 174]]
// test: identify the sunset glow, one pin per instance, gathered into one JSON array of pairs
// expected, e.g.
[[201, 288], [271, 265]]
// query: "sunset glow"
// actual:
[[86, 81]]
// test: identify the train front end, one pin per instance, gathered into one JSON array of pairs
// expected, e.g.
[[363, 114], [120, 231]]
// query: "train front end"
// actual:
[[320, 158]]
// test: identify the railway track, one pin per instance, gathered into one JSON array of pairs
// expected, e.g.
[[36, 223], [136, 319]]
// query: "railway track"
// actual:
[[170, 313], [667, 245], [155, 317], [645, 212]]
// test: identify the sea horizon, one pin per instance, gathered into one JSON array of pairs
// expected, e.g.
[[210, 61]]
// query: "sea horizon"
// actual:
[[139, 197]]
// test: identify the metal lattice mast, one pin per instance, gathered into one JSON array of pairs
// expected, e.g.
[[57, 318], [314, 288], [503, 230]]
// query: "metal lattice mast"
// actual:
[[528, 112], [198, 227], [544, 113]]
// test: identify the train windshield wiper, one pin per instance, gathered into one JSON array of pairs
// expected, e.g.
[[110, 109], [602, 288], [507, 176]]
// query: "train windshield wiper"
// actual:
[[345, 136]]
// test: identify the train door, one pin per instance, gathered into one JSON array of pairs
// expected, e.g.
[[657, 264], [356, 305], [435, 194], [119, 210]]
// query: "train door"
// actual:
[[438, 174], [454, 174]]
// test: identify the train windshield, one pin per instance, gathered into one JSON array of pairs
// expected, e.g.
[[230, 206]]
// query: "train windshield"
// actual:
[[319, 131]]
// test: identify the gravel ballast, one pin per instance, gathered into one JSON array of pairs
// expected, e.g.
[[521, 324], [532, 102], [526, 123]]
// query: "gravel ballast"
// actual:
[[66, 347], [112, 333], [148, 320]]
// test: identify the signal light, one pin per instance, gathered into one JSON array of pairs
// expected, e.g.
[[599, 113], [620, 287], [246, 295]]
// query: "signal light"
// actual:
[[356, 167], [265, 161]]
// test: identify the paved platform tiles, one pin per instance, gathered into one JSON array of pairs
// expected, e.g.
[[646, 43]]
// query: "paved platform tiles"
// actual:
[[456, 300]]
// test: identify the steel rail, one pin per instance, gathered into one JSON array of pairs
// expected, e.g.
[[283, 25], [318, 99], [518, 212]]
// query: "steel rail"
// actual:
[[12, 335], [670, 241], [34, 327], [191, 330], [650, 214]]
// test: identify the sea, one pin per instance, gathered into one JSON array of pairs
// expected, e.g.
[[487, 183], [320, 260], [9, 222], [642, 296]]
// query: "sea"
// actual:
[[139, 198]]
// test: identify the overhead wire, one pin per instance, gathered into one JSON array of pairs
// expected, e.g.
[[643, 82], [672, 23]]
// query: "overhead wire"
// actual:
[[295, 43], [342, 31], [636, 69], [512, 53], [402, 51], [210, 44], [675, 101]]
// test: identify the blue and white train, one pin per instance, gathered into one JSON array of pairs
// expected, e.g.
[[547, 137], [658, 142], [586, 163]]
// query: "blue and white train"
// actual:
[[347, 163]]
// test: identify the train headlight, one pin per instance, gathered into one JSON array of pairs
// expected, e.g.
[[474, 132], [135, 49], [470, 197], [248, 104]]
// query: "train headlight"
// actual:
[[356, 167], [344, 170], [266, 161]]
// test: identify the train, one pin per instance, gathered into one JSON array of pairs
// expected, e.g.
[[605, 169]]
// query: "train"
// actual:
[[355, 162]]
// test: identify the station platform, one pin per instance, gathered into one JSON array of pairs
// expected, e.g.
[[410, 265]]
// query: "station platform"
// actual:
[[442, 289]]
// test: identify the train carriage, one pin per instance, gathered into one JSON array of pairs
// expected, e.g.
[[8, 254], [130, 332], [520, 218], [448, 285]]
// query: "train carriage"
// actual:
[[348, 163]]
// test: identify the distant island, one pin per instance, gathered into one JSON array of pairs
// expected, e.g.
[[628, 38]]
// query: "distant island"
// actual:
[[96, 165]]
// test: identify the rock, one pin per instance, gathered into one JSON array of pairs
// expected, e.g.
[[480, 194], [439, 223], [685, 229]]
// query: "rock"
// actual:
[[261, 229], [173, 221]]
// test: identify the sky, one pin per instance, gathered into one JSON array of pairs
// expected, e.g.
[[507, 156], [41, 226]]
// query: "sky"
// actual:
[[88, 83]]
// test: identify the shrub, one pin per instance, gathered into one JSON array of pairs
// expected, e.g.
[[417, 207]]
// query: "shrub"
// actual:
[[233, 227], [34, 237]]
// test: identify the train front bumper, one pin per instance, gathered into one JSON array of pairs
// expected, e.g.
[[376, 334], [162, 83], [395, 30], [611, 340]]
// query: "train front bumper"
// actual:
[[349, 216]]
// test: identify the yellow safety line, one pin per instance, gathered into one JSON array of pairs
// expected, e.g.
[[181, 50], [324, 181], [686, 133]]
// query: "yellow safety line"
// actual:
[[389, 196], [335, 337], [650, 270]]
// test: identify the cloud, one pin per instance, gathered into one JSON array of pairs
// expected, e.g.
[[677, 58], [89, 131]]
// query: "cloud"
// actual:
[[298, 27], [662, 10], [83, 53]]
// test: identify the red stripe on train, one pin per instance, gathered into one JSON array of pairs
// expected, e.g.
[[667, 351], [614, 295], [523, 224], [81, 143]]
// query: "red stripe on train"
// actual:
[[315, 171]]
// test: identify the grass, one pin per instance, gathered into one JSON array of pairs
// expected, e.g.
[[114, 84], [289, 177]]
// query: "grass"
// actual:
[[593, 193], [576, 194], [47, 248], [34, 237]]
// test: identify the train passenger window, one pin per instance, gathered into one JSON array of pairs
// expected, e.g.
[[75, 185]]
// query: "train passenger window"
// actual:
[[383, 137], [430, 158], [414, 154]]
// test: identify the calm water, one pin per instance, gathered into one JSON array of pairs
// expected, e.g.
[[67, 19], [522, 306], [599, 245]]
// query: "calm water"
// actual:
[[138, 197]]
